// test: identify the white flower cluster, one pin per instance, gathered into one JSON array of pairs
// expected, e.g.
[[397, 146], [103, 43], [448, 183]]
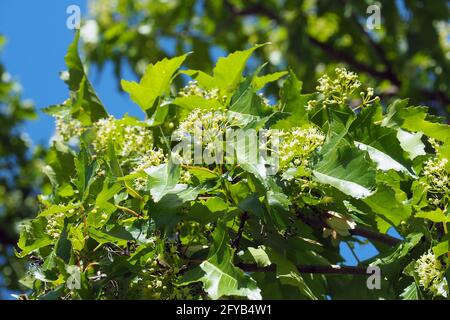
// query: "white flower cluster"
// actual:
[[54, 225], [137, 140], [150, 159], [205, 130], [340, 89], [296, 146], [193, 89], [131, 140], [68, 128], [431, 274], [437, 180], [105, 129], [204, 127]]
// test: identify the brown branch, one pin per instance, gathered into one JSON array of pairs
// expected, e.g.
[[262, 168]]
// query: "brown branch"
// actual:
[[324, 269], [317, 222], [376, 236], [237, 240], [319, 269], [6, 239]]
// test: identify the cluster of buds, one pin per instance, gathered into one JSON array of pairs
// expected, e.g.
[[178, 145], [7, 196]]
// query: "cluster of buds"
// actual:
[[431, 274], [131, 141], [54, 225], [68, 128], [297, 145], [437, 178], [193, 89], [339, 89], [150, 159]]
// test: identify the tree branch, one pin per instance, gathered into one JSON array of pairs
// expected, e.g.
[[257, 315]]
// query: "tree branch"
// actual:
[[325, 269], [317, 222], [237, 240], [7, 239]]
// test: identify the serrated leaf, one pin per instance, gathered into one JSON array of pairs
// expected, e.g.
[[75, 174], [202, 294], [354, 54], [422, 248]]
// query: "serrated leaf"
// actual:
[[154, 83], [117, 235], [85, 105], [190, 103], [436, 216], [411, 292], [226, 74], [293, 102], [288, 274], [260, 81], [385, 202], [228, 71], [260, 256], [381, 143], [345, 168], [219, 276], [33, 236], [162, 179], [246, 101], [415, 119], [86, 169], [63, 247]]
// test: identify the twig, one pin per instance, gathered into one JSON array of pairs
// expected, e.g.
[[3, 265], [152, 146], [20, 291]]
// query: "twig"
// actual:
[[129, 211], [237, 240], [357, 231], [325, 269]]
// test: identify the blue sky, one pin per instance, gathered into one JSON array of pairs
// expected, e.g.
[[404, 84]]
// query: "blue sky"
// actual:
[[37, 40]]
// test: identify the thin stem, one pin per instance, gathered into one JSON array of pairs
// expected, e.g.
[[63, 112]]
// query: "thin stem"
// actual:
[[237, 240], [129, 211]]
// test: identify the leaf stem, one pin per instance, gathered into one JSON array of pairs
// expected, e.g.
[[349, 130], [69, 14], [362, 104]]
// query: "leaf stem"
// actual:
[[129, 211]]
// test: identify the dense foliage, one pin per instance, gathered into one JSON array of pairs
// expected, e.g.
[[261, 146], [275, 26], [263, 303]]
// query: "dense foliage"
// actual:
[[407, 54], [19, 176], [136, 218]]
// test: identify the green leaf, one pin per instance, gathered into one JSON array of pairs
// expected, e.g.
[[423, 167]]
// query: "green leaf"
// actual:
[[86, 169], [33, 236], [294, 102], [436, 216], [218, 274], [86, 105], [227, 73], [345, 168], [416, 119], [117, 235], [57, 208], [154, 83], [441, 248], [260, 82], [245, 100], [403, 249], [162, 179], [63, 248], [411, 292], [260, 256], [388, 204], [381, 143], [105, 195], [190, 103], [288, 274]]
